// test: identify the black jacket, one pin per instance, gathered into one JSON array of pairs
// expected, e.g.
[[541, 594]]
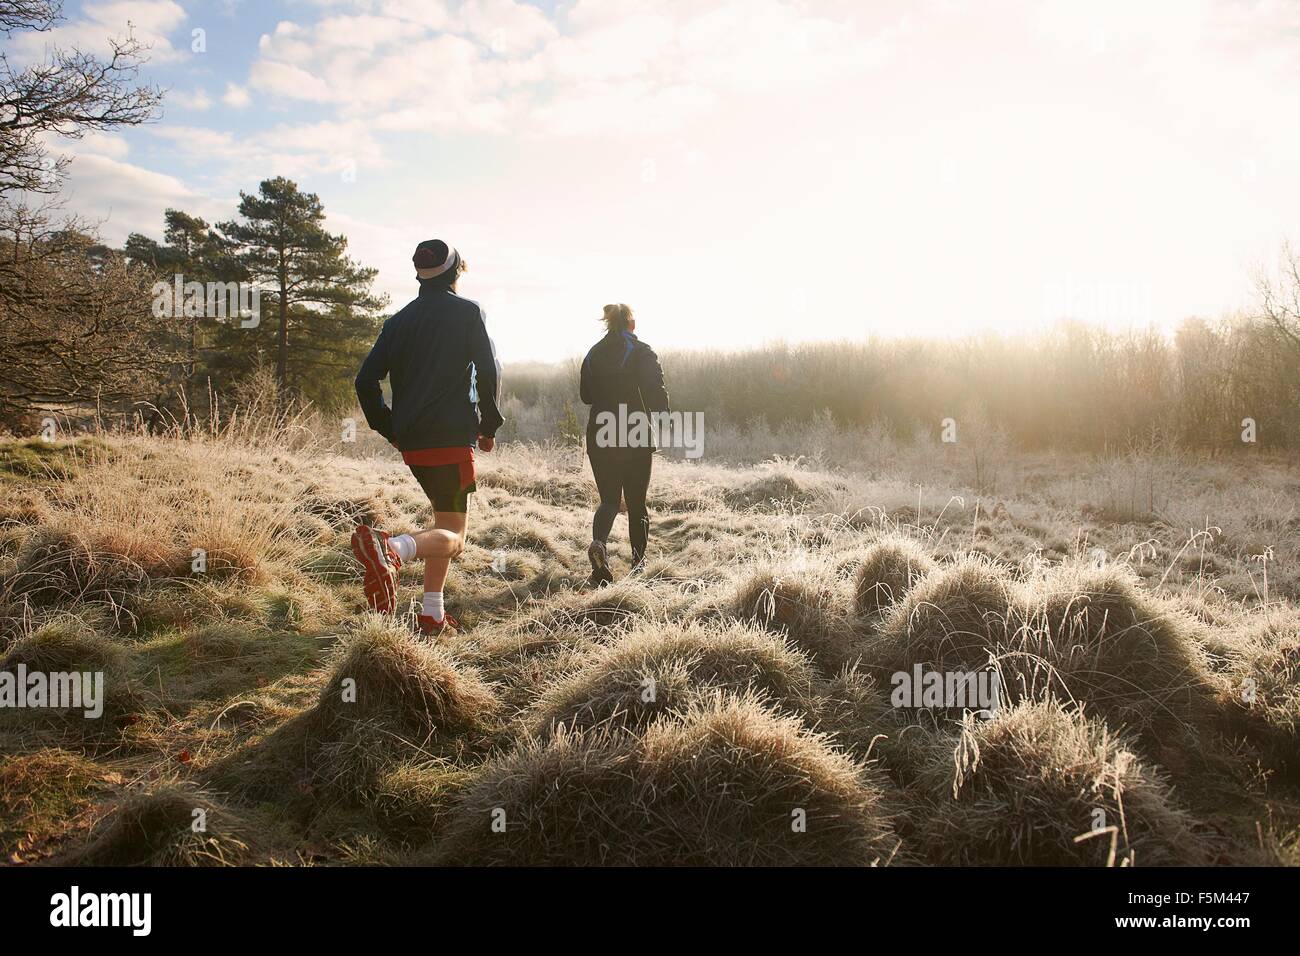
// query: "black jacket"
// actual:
[[443, 371], [619, 370]]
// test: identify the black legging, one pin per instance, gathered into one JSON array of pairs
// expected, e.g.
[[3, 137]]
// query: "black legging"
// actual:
[[623, 474]]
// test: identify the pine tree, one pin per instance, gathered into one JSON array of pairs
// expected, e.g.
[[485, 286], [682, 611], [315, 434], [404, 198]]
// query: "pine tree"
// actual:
[[323, 307], [196, 252], [568, 428]]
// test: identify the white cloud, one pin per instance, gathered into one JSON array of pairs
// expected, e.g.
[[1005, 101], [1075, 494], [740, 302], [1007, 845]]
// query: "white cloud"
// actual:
[[236, 96], [196, 99], [633, 108], [95, 142], [199, 140], [294, 150], [613, 50], [432, 14], [291, 82], [362, 33], [506, 27], [487, 116], [498, 65], [124, 198], [150, 21], [770, 47]]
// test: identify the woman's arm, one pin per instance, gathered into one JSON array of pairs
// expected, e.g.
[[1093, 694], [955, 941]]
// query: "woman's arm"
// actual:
[[651, 381]]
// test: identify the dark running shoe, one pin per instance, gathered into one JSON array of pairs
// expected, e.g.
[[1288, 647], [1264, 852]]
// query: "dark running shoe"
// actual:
[[600, 573]]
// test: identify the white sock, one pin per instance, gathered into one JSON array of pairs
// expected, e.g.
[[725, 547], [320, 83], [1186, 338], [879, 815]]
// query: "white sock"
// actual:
[[433, 605], [404, 545]]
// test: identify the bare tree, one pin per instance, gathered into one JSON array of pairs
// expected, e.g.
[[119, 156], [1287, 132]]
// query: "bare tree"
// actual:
[[76, 324], [67, 93], [1279, 298], [75, 318], [28, 15]]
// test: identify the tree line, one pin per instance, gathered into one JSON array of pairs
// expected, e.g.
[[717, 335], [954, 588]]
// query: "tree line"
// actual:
[[79, 325], [1210, 386], [318, 314]]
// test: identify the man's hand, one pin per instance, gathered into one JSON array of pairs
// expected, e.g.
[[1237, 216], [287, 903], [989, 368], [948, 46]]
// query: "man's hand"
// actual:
[[486, 443]]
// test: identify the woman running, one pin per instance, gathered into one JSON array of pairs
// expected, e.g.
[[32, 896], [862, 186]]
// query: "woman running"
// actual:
[[621, 376]]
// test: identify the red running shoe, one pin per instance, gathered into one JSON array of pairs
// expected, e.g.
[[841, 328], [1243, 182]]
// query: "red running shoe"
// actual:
[[380, 564], [432, 627]]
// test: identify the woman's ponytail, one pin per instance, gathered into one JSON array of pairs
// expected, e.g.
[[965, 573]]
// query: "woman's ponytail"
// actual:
[[617, 317]]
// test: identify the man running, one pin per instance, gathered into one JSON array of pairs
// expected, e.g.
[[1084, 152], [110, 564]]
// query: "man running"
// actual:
[[443, 372]]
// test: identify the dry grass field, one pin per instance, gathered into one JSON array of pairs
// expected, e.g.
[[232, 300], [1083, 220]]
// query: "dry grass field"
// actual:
[[730, 706]]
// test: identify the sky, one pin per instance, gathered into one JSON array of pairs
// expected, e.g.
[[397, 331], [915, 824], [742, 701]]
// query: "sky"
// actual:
[[738, 171]]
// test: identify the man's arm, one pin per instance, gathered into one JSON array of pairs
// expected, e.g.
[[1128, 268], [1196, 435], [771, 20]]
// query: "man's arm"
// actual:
[[487, 378], [378, 415]]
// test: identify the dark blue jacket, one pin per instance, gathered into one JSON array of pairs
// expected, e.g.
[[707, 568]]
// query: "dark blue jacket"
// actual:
[[443, 372], [619, 370]]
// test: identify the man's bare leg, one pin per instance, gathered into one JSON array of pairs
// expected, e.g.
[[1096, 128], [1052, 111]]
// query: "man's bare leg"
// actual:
[[439, 546]]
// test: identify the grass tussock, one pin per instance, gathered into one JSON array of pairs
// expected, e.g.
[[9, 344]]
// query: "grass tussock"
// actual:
[[650, 671], [617, 605], [775, 489], [389, 698], [1260, 696], [68, 644], [42, 795], [889, 569], [168, 826], [57, 569], [64, 642], [520, 534], [804, 604], [1042, 786], [729, 782], [1092, 634], [416, 689], [949, 620], [776, 604]]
